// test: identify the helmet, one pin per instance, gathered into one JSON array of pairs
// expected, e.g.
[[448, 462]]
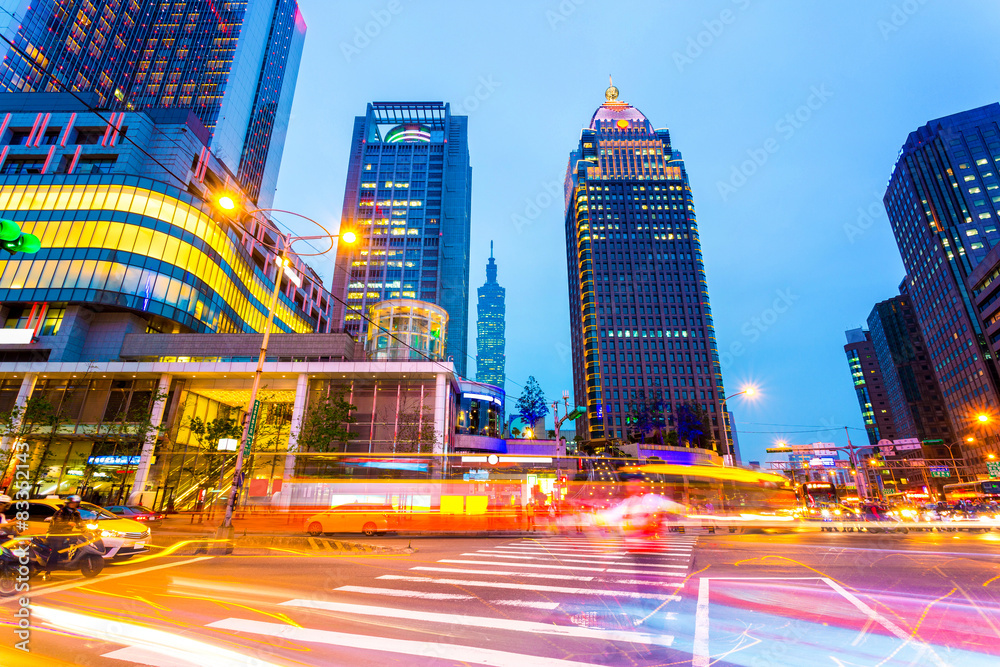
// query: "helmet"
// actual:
[[74, 499], [5, 499]]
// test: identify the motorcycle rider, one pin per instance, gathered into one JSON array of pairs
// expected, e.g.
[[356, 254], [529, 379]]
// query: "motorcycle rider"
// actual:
[[65, 525], [6, 526]]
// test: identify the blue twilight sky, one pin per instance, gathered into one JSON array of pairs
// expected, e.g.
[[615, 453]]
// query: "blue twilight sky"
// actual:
[[797, 245]]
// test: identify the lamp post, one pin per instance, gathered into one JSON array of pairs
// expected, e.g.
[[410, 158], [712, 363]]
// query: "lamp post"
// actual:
[[749, 391], [283, 263], [951, 455]]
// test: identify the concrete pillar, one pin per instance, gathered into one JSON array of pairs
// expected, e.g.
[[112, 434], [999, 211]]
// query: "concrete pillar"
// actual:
[[7, 441], [146, 457], [298, 416], [440, 412]]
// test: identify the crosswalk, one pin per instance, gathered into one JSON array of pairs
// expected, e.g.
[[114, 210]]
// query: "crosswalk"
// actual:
[[589, 594]]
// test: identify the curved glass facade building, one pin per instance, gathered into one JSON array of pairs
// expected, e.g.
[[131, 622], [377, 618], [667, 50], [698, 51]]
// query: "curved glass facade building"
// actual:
[[131, 238], [134, 243], [406, 329]]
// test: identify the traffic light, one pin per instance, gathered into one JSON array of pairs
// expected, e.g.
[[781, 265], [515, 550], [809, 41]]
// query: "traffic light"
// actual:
[[13, 240]]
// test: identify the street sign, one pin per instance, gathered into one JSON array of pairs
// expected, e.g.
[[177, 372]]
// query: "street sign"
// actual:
[[253, 427], [993, 468], [778, 450], [939, 471]]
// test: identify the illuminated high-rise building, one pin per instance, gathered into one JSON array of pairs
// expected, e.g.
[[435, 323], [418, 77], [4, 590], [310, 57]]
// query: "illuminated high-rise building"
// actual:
[[409, 197], [491, 334], [640, 318], [869, 386], [233, 64], [943, 201]]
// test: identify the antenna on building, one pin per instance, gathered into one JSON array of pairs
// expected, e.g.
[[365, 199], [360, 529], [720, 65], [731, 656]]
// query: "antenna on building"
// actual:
[[491, 249]]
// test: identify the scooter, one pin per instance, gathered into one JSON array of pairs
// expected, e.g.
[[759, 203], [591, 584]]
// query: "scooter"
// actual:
[[9, 562], [85, 552]]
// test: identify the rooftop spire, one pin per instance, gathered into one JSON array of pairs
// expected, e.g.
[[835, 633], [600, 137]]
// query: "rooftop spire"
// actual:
[[611, 94], [491, 267]]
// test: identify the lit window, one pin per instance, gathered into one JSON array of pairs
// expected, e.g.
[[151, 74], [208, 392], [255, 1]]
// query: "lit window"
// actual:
[[977, 246], [970, 178], [984, 216], [981, 162]]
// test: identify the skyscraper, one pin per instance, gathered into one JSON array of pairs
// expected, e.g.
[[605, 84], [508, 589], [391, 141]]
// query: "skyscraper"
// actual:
[[131, 238], [640, 318], [409, 197], [491, 338], [233, 64], [915, 403], [869, 386], [943, 200]]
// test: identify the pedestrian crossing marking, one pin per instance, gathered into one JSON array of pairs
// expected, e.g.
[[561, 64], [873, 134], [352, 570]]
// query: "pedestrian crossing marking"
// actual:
[[488, 622]]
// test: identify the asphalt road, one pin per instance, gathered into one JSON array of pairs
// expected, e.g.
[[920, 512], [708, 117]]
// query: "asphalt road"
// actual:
[[790, 599]]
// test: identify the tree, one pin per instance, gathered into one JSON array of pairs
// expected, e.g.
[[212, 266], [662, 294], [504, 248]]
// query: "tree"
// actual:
[[208, 433], [415, 429], [646, 417], [325, 426], [693, 425], [130, 430], [531, 405]]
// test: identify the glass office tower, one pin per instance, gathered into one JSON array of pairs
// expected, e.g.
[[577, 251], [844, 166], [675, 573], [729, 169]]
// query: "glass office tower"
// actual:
[[409, 197], [233, 64], [131, 239], [943, 201], [491, 340], [639, 310]]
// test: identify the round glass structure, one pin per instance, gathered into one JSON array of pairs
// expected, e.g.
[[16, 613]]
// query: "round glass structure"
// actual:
[[406, 329]]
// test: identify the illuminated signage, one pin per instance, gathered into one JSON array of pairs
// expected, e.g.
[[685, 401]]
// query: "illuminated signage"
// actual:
[[110, 460]]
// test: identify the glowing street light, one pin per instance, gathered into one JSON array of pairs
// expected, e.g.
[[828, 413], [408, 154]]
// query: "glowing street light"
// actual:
[[749, 390], [226, 202], [983, 418]]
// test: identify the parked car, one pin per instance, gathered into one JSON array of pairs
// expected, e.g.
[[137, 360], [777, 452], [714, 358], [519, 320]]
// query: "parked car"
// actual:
[[123, 538], [137, 513], [369, 519]]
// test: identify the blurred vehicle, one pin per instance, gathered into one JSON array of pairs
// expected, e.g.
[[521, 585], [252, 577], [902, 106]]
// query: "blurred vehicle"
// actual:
[[369, 519], [987, 489], [644, 514], [877, 519], [137, 513], [122, 538]]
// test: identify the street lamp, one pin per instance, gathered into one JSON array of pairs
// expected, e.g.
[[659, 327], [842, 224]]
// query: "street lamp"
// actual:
[[285, 244], [747, 391]]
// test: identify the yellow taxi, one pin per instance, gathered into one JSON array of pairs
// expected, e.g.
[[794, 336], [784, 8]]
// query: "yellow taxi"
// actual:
[[123, 538]]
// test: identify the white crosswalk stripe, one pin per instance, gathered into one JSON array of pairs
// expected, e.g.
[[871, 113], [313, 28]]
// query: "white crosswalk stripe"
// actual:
[[596, 572], [529, 587]]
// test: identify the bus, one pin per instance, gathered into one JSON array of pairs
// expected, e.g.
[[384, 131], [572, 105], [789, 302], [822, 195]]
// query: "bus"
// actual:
[[817, 494], [987, 489]]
